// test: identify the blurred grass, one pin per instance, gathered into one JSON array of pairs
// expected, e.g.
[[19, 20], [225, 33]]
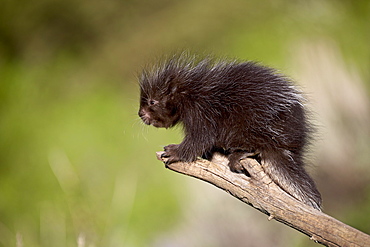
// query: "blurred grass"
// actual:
[[67, 152], [76, 164]]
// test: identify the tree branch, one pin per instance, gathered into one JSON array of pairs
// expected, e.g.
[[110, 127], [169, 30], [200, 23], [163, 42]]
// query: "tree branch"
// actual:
[[262, 193]]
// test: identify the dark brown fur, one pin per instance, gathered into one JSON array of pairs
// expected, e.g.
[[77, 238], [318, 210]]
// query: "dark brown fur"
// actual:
[[241, 108]]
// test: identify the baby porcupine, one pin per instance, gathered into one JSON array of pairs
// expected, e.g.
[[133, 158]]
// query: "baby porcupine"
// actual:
[[242, 108]]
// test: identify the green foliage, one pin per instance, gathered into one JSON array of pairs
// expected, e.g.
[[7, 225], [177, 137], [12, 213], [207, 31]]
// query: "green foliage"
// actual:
[[67, 159]]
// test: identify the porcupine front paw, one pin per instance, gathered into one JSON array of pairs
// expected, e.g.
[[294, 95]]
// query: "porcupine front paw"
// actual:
[[171, 153]]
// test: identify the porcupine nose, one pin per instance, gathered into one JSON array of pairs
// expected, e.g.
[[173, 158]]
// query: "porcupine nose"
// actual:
[[144, 115]]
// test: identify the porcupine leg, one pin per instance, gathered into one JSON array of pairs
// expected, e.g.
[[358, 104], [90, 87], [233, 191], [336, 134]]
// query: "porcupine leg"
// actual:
[[237, 155]]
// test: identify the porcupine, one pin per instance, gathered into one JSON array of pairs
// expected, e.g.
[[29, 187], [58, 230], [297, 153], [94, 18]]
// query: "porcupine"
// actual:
[[242, 108]]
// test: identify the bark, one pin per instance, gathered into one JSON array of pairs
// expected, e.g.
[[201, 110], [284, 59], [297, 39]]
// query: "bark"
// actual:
[[260, 192]]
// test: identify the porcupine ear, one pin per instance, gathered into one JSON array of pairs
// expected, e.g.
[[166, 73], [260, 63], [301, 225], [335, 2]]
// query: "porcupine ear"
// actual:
[[177, 92], [174, 83], [176, 72]]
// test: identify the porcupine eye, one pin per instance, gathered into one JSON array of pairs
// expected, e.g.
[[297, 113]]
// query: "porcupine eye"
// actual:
[[152, 102]]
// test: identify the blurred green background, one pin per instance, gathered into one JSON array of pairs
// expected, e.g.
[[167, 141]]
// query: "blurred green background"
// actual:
[[77, 166]]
